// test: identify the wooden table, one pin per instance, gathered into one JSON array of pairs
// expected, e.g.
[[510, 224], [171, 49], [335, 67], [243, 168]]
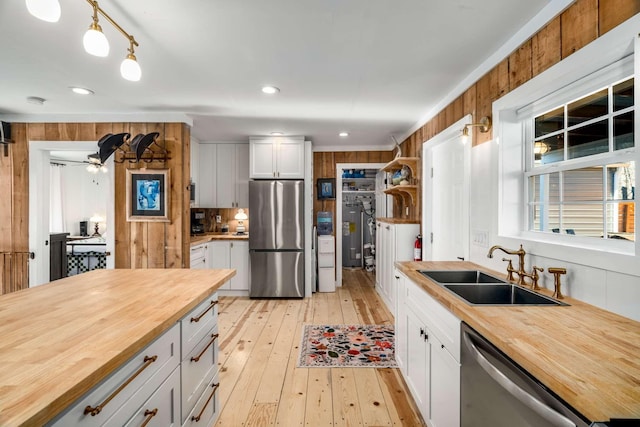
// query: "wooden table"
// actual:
[[61, 339], [588, 356]]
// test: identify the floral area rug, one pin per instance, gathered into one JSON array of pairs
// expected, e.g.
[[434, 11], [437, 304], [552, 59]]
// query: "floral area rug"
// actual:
[[352, 346]]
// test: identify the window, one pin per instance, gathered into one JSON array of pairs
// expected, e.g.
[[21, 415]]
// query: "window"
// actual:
[[580, 176]]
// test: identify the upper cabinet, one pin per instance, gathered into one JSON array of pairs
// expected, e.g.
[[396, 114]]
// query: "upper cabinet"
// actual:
[[277, 157], [224, 175]]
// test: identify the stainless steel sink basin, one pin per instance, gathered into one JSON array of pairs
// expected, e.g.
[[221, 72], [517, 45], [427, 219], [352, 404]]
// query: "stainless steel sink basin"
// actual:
[[460, 276], [500, 294], [478, 288]]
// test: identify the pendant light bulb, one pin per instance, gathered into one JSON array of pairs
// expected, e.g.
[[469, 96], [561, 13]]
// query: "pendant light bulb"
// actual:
[[95, 42], [130, 69], [46, 10]]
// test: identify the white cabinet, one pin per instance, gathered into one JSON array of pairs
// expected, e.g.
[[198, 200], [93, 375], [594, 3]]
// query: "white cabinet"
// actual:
[[394, 242], [277, 157], [445, 386], [232, 176], [198, 258], [195, 171], [224, 175], [326, 264], [235, 255], [428, 353], [207, 181]]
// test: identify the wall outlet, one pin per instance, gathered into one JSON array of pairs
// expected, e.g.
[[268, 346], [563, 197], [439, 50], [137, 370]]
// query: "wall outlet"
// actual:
[[218, 219]]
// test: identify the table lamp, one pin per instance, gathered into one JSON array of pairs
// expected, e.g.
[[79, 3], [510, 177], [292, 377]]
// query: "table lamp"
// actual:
[[240, 216], [96, 219]]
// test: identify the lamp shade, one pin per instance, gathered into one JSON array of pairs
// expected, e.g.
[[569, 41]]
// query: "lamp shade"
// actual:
[[130, 69], [46, 10], [96, 218], [95, 42], [241, 215]]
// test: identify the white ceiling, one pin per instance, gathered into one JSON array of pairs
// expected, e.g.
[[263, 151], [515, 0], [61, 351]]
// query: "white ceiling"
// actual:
[[374, 68]]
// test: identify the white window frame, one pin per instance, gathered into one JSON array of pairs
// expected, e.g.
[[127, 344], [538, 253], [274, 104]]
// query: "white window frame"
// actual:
[[607, 59], [603, 159]]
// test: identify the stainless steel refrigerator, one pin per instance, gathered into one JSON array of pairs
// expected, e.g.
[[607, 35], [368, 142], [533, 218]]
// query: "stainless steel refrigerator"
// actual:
[[276, 239]]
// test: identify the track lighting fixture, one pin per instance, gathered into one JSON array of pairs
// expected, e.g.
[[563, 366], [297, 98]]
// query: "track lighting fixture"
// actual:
[[94, 40], [46, 10], [130, 69]]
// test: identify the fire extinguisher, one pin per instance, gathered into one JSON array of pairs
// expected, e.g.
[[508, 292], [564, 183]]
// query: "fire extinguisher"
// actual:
[[417, 248]]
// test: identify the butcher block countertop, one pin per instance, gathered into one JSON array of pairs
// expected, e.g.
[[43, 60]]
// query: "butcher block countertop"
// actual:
[[208, 237], [61, 339], [588, 356]]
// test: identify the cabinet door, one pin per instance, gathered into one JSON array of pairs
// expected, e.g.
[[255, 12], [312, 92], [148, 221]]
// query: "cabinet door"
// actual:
[[219, 257], [289, 159], [240, 261], [261, 159], [379, 254], [390, 270], [445, 387], [418, 361], [195, 169], [401, 324], [208, 182], [225, 176], [242, 175]]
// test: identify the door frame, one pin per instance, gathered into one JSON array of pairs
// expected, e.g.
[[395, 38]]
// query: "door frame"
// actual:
[[453, 132], [39, 157], [338, 223]]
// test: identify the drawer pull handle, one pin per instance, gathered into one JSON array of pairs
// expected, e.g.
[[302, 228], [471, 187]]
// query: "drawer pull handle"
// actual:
[[149, 414], [95, 411], [214, 337], [197, 319], [215, 388]]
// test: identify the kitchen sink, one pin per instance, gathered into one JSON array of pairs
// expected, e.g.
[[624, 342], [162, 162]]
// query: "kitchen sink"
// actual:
[[499, 294], [479, 288], [460, 276]]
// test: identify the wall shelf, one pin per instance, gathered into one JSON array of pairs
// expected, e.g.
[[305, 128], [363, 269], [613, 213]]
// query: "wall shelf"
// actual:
[[397, 163], [407, 192]]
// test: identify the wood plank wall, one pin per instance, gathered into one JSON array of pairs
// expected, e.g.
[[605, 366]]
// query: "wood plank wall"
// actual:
[[324, 166], [581, 23], [137, 244]]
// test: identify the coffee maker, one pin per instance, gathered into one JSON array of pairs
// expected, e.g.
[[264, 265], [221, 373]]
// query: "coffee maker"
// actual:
[[197, 222]]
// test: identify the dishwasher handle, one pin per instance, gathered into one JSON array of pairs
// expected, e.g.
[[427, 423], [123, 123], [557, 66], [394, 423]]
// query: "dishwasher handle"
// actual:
[[515, 390]]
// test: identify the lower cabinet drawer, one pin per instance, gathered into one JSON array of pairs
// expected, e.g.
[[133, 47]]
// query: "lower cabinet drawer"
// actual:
[[162, 408], [198, 367], [207, 408], [128, 387], [198, 323]]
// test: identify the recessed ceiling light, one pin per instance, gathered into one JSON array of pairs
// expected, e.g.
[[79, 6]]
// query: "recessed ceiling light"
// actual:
[[270, 90], [343, 134], [277, 133], [36, 100], [82, 90]]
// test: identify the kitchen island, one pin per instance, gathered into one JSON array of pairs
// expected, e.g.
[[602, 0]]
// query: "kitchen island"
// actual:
[[585, 355], [61, 339]]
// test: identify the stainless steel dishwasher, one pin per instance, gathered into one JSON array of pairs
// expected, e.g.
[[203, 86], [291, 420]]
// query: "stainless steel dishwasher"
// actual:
[[497, 392]]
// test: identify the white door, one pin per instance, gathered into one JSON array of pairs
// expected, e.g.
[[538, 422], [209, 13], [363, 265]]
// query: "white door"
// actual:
[[261, 159], [290, 159], [225, 176], [239, 260], [242, 175], [446, 209], [207, 180]]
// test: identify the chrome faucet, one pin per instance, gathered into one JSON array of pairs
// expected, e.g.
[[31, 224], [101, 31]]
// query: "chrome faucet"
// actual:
[[520, 271]]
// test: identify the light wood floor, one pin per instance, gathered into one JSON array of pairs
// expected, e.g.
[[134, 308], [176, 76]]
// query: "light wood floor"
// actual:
[[261, 386]]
